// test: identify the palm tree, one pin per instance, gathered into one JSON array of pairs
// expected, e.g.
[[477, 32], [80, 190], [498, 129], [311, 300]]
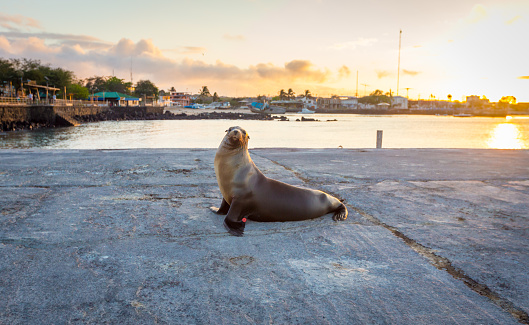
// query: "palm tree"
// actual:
[[204, 92], [290, 93], [282, 94], [308, 94]]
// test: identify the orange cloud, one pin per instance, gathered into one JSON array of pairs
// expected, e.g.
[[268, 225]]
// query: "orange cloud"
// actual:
[[382, 74], [344, 72], [17, 21], [230, 37], [524, 77], [409, 72]]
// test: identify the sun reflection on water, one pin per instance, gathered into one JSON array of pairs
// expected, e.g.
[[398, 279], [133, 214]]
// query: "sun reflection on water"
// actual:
[[506, 136]]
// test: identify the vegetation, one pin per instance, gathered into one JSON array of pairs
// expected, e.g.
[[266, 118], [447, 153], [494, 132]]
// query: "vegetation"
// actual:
[[16, 71], [376, 98], [145, 88]]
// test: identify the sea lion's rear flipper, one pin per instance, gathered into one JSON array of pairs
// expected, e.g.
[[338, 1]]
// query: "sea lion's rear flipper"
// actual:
[[223, 210], [235, 221], [340, 214]]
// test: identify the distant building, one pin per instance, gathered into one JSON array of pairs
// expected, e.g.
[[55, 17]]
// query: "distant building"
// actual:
[[164, 100], [116, 99], [180, 99], [349, 102], [476, 102], [329, 103], [399, 102], [309, 103]]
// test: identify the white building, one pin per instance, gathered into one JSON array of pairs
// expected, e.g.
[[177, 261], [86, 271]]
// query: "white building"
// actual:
[[349, 102], [399, 102], [309, 103]]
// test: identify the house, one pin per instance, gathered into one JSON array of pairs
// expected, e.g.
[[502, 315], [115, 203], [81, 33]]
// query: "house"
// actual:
[[349, 102], [115, 99], [476, 102], [329, 103], [309, 102], [164, 100], [399, 102], [180, 99]]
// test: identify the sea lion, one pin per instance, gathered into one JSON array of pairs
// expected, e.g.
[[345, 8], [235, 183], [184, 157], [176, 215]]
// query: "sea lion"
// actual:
[[248, 194]]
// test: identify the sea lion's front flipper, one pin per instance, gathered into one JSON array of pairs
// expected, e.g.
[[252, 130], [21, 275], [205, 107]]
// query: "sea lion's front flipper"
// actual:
[[223, 210], [235, 221]]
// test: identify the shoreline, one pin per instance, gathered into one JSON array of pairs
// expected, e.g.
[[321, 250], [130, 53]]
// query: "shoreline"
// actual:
[[23, 122]]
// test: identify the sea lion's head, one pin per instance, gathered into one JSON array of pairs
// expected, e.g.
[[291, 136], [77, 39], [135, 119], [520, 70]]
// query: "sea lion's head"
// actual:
[[236, 137]]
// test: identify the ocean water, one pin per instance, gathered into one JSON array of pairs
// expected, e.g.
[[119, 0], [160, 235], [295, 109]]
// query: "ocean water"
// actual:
[[331, 131]]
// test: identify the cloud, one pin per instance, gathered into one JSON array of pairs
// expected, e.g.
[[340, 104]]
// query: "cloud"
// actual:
[[187, 50], [344, 72], [234, 37], [88, 42], [523, 77], [360, 42], [477, 14], [382, 74], [16, 22], [410, 72], [513, 20], [149, 62]]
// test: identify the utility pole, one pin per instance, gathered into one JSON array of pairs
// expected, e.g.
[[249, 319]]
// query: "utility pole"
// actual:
[[407, 92], [398, 72], [356, 95], [365, 89], [131, 83]]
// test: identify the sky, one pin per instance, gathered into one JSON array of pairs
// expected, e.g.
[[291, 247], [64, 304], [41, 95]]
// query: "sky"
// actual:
[[252, 47]]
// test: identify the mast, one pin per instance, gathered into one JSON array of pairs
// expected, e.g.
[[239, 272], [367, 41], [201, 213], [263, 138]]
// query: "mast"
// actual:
[[398, 69], [356, 95]]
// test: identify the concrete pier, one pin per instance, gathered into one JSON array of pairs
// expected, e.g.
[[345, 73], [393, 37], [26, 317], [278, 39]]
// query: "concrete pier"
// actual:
[[125, 236]]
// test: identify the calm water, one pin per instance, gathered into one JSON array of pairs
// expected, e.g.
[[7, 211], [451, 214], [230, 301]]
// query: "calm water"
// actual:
[[349, 131]]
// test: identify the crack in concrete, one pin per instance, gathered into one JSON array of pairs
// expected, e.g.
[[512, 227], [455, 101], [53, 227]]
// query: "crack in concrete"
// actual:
[[441, 263], [444, 264]]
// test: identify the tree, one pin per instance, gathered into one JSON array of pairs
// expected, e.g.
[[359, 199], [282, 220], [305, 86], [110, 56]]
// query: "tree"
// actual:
[[145, 87], [282, 94], [508, 99], [204, 92], [308, 94], [215, 97], [449, 97], [77, 91], [118, 85], [96, 84], [375, 98], [291, 94]]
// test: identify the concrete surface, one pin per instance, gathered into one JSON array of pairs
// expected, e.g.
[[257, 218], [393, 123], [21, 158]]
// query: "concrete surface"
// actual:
[[125, 236]]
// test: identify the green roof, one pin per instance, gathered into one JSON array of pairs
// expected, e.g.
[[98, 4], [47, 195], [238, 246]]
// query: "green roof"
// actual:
[[113, 95]]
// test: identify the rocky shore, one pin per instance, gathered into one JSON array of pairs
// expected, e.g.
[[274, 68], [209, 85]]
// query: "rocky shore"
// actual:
[[112, 115]]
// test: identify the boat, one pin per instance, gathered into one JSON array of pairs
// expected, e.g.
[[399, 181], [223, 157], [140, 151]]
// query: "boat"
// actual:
[[266, 108], [195, 106], [462, 115], [306, 111], [291, 106], [219, 105]]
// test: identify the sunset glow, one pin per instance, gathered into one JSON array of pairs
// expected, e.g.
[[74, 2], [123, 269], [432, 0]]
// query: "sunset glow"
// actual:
[[250, 47], [506, 136]]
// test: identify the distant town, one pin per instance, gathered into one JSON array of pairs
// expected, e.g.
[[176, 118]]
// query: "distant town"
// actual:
[[24, 81]]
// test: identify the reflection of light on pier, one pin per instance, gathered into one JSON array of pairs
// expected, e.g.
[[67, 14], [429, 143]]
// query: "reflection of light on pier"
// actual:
[[505, 136]]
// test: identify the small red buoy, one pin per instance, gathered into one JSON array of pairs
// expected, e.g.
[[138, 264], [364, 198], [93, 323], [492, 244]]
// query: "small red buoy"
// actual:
[[243, 219]]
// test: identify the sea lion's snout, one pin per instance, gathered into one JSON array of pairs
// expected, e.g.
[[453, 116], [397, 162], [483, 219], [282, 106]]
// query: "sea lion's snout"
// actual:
[[236, 136]]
